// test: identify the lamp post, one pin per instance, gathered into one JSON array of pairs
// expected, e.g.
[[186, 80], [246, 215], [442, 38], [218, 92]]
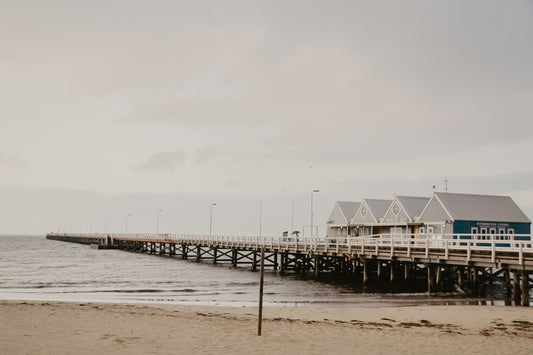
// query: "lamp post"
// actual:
[[126, 224], [312, 193], [211, 218], [157, 224]]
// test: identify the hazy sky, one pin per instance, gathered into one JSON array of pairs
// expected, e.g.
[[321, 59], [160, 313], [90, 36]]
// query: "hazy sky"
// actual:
[[116, 107]]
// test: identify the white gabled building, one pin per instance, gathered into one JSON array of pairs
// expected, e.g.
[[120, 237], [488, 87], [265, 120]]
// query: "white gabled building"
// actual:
[[481, 217], [340, 218], [368, 217], [402, 217]]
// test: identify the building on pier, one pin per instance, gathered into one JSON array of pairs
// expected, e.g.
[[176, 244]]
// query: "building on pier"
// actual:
[[468, 216], [402, 217], [368, 217], [442, 216], [340, 218]]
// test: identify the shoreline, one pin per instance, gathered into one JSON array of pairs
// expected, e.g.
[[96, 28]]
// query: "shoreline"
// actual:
[[88, 327]]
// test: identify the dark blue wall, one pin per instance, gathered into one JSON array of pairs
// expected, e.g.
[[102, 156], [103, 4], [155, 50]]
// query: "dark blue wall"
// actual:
[[465, 227]]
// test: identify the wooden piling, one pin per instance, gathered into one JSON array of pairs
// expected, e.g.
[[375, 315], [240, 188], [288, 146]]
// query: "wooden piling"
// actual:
[[365, 272], [431, 278], [254, 262], [438, 280], [392, 271], [525, 288], [234, 257], [516, 286], [507, 274]]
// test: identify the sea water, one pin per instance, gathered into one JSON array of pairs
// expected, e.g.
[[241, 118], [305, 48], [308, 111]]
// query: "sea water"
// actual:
[[34, 268]]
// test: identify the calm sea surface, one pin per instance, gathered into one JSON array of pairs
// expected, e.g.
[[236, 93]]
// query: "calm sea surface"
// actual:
[[33, 268]]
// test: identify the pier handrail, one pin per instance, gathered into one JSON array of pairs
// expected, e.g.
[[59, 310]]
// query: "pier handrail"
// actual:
[[517, 242]]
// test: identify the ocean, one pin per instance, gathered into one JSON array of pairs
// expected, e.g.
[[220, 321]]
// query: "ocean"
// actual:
[[33, 268]]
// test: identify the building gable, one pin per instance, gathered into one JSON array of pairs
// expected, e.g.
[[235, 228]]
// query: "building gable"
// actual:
[[364, 215], [396, 213], [435, 212], [336, 217]]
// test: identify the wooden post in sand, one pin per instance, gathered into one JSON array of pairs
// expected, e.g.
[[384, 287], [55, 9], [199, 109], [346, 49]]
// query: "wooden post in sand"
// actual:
[[262, 272]]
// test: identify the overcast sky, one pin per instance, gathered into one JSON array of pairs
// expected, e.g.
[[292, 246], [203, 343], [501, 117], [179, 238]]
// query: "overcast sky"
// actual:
[[110, 108]]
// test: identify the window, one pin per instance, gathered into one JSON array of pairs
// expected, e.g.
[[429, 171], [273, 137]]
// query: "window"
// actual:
[[473, 230], [430, 230], [483, 231], [363, 210], [422, 230], [395, 209], [502, 231]]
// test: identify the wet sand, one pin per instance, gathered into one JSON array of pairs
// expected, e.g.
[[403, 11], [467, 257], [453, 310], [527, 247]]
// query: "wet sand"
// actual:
[[82, 328]]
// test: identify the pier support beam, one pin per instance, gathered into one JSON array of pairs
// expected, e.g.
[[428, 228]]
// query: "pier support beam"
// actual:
[[316, 265], [234, 257], [392, 265], [516, 286], [365, 272], [431, 278], [379, 270], [406, 271], [254, 262], [525, 288], [507, 274]]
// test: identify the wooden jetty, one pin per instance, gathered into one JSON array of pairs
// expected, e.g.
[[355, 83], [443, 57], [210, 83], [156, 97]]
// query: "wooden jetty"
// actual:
[[461, 263]]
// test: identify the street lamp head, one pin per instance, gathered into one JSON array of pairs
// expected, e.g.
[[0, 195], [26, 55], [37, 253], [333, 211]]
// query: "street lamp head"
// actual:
[[160, 211], [316, 190], [214, 204]]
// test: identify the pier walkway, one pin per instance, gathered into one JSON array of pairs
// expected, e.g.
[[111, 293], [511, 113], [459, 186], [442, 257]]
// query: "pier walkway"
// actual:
[[459, 261]]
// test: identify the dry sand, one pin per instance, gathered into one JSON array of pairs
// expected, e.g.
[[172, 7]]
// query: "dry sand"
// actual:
[[74, 328]]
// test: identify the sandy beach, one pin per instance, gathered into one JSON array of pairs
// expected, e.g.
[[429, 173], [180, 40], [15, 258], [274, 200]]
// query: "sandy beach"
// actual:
[[46, 328]]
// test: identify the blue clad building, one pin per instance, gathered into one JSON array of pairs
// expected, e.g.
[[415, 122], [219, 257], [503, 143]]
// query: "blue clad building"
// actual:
[[482, 217]]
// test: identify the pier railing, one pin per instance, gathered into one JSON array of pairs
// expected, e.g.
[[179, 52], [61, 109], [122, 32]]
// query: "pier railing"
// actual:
[[446, 241]]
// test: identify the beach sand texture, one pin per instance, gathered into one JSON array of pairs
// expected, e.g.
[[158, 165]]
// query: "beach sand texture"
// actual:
[[82, 328]]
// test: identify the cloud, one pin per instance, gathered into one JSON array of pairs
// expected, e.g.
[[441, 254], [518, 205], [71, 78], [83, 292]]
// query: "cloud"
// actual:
[[162, 161], [205, 155]]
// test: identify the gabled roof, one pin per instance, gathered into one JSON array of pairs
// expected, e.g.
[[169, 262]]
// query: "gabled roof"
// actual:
[[377, 208], [413, 205], [348, 209], [489, 208], [412, 208]]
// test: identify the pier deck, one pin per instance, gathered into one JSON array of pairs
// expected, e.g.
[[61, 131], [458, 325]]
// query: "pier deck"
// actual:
[[461, 260]]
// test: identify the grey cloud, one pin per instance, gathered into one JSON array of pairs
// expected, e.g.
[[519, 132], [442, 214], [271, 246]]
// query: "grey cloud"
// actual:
[[205, 155], [162, 161]]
